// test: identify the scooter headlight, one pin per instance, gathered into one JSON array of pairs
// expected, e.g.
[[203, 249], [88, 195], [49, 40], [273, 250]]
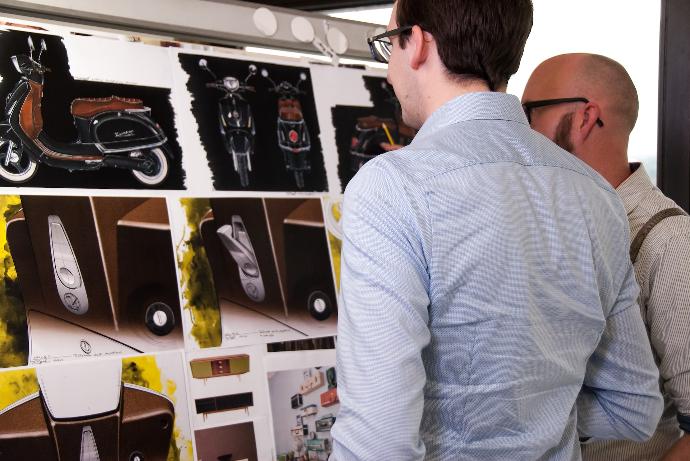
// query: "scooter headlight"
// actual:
[[231, 83]]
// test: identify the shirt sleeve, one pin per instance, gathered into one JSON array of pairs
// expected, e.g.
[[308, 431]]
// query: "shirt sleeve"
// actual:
[[620, 397], [382, 322], [668, 317]]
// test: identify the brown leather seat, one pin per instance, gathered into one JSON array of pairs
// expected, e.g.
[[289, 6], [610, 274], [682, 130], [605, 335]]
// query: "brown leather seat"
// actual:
[[290, 109], [30, 116], [85, 107], [372, 121]]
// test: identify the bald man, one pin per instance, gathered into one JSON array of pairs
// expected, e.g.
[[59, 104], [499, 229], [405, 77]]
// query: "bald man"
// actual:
[[588, 105]]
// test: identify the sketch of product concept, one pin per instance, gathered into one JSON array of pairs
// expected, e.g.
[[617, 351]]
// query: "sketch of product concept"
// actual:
[[87, 413], [96, 274], [236, 240], [236, 119], [113, 132], [292, 130], [68, 278]]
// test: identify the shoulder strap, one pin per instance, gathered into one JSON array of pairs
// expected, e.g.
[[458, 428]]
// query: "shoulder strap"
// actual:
[[647, 228]]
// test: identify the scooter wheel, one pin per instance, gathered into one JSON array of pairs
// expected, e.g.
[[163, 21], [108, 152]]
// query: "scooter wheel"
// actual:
[[159, 168], [19, 168]]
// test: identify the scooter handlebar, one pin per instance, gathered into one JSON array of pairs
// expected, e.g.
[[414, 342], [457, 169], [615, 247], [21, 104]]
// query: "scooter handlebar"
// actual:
[[287, 92], [220, 86]]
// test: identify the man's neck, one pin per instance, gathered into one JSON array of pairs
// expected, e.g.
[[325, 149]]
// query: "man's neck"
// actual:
[[616, 173], [442, 94]]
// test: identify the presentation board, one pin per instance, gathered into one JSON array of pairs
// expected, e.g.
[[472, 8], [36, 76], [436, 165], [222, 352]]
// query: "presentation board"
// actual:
[[170, 238]]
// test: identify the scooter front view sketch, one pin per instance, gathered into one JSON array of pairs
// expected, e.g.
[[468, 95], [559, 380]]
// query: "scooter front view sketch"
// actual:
[[236, 119], [112, 132], [293, 134]]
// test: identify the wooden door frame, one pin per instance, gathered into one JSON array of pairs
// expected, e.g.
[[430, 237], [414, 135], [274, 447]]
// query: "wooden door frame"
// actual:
[[673, 159]]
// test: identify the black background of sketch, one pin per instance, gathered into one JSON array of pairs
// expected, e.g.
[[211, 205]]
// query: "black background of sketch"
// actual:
[[268, 168], [60, 88], [345, 120]]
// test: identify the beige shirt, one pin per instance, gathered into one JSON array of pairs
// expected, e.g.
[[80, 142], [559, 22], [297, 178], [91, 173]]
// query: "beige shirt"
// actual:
[[662, 270]]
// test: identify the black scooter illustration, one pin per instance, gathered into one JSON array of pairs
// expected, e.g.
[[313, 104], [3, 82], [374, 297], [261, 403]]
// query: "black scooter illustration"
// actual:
[[372, 131], [293, 134], [112, 132], [236, 119]]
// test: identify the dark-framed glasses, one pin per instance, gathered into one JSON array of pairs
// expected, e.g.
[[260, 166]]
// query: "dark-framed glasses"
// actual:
[[381, 45], [528, 106]]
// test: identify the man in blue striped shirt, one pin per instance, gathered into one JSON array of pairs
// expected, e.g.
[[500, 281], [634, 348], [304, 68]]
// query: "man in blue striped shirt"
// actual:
[[488, 306]]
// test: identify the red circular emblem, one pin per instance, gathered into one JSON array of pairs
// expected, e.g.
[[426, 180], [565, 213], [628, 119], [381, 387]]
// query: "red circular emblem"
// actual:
[[294, 137]]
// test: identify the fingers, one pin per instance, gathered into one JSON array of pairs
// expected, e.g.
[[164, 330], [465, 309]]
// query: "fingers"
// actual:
[[390, 147]]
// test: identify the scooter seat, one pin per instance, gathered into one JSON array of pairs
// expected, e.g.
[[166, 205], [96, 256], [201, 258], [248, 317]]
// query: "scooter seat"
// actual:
[[372, 121], [290, 110], [86, 107]]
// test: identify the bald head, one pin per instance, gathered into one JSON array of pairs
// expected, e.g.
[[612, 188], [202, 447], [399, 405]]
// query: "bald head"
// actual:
[[595, 77], [597, 128]]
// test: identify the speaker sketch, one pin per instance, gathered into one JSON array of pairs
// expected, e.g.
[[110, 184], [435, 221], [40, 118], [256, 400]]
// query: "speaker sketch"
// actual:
[[68, 278], [87, 413], [236, 240], [270, 256], [97, 275]]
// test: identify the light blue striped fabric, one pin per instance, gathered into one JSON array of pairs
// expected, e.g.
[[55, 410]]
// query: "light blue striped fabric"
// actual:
[[485, 282]]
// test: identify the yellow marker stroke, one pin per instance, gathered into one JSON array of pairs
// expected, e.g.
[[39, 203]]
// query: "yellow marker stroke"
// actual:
[[388, 134]]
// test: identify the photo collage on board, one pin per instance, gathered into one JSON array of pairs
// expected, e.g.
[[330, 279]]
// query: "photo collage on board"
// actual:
[[170, 241]]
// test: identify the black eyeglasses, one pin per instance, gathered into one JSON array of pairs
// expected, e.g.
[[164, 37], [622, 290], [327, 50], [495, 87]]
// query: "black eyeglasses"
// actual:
[[528, 106], [381, 45]]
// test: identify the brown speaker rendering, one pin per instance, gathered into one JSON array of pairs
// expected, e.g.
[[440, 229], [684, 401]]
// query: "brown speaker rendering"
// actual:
[[148, 299], [227, 443], [105, 264], [226, 271], [79, 226], [142, 424]]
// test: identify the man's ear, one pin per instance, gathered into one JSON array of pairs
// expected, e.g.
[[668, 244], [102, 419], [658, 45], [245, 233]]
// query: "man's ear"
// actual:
[[419, 43], [587, 120]]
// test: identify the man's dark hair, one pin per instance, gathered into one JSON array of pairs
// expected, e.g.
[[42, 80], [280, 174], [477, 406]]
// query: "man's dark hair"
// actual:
[[476, 39]]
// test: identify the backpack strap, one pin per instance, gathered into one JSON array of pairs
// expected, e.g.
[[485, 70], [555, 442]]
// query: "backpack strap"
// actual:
[[647, 228]]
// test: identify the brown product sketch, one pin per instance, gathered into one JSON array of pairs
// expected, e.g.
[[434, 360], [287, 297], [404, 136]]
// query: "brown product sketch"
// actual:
[[271, 256], [45, 426], [238, 245], [217, 367], [97, 275], [309, 289], [222, 403], [227, 443]]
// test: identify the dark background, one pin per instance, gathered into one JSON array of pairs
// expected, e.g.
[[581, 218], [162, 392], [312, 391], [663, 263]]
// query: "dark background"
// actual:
[[60, 88], [268, 168], [345, 120]]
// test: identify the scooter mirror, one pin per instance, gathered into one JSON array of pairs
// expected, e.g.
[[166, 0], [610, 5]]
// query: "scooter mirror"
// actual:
[[43, 45], [203, 63], [31, 44], [264, 73], [252, 69]]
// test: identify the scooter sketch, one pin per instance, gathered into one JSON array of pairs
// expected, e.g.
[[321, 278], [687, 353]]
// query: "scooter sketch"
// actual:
[[372, 131], [293, 134], [236, 119], [112, 132]]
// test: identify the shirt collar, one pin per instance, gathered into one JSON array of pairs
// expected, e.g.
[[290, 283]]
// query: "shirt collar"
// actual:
[[635, 187], [475, 106]]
